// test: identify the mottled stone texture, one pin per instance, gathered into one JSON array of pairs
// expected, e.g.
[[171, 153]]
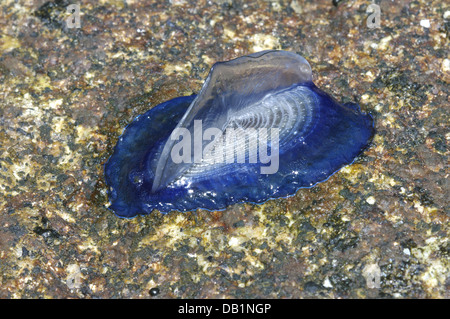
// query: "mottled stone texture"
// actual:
[[66, 95]]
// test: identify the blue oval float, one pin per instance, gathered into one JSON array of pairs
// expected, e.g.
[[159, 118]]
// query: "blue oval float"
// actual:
[[259, 129]]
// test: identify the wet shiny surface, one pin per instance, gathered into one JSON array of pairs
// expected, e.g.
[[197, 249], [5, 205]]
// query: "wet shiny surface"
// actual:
[[66, 96], [268, 90]]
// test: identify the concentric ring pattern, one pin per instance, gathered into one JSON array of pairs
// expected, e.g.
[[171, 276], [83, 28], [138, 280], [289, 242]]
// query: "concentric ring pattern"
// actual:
[[258, 129]]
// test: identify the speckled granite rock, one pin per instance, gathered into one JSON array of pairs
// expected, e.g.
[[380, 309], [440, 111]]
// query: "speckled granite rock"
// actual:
[[66, 95]]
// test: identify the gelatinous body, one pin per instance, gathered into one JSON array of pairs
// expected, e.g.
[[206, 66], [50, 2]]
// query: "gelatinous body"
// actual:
[[285, 134]]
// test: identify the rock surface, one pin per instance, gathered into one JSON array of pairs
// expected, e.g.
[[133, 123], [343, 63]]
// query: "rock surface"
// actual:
[[377, 229]]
